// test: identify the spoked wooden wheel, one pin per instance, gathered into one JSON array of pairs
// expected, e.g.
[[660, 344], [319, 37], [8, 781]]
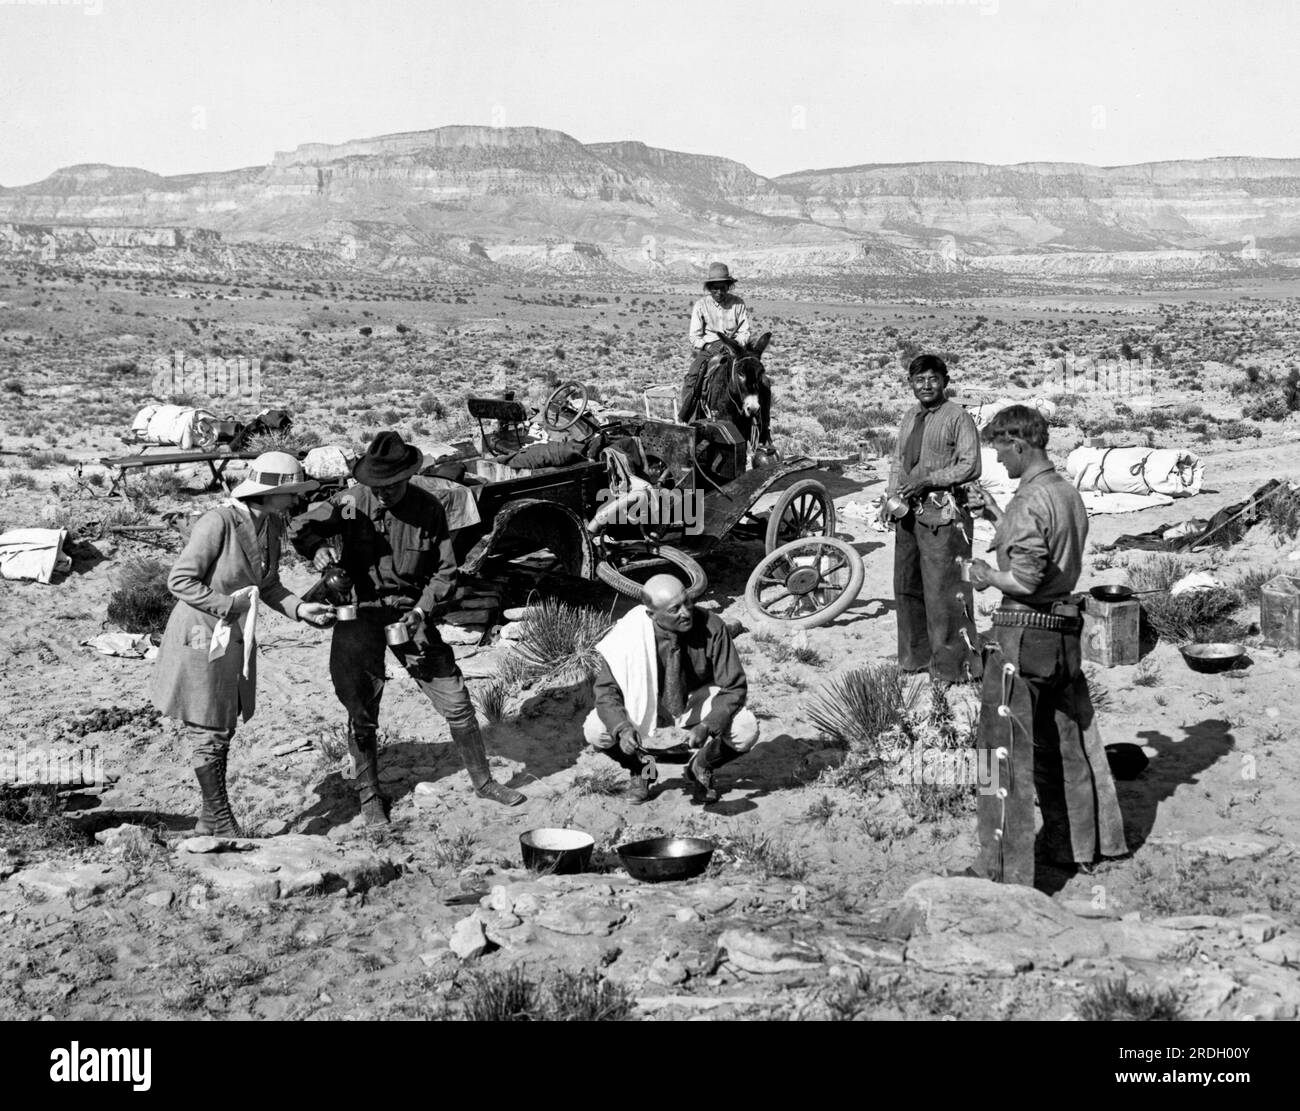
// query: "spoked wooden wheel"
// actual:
[[804, 510], [565, 407], [805, 583]]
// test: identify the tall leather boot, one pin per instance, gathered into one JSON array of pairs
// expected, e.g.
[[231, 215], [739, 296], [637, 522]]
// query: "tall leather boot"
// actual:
[[713, 754], [469, 743], [216, 818], [637, 790], [363, 744]]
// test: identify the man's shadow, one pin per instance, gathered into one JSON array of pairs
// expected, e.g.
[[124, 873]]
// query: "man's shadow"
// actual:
[[1174, 765], [528, 736]]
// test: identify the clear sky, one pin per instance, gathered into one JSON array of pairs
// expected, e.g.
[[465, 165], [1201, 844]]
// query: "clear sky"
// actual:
[[178, 86]]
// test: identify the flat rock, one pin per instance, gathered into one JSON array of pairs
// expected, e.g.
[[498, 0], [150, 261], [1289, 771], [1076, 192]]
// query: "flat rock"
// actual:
[[966, 926], [1144, 941], [436, 957], [863, 952], [714, 903], [1228, 848], [1197, 922], [295, 864], [1259, 928], [1209, 993], [273, 827], [507, 930], [468, 939], [214, 845], [463, 891], [667, 972], [88, 879], [767, 954], [160, 898], [582, 918], [129, 838], [454, 634], [1085, 908], [1284, 950]]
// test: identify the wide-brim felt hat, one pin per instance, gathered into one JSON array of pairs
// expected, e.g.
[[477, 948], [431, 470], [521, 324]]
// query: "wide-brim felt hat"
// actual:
[[274, 472], [718, 273], [388, 459]]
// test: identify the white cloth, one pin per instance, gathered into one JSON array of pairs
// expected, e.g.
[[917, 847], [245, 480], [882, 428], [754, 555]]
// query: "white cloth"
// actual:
[[994, 480], [985, 411], [1195, 582], [221, 633], [33, 553], [1136, 470], [178, 425], [1096, 502], [136, 646], [457, 500], [329, 461], [629, 649]]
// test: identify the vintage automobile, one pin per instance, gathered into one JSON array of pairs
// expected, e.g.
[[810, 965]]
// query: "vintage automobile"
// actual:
[[640, 493]]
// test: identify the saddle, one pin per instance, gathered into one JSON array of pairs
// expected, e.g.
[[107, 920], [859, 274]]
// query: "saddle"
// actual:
[[696, 386]]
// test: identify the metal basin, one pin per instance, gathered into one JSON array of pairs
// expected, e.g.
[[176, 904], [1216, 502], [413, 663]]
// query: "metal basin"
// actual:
[[1213, 657], [561, 852], [1127, 760], [666, 858]]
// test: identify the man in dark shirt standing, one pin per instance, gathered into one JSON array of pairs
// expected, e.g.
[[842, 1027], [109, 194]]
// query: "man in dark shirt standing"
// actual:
[[1036, 730], [392, 539], [669, 663], [938, 451]]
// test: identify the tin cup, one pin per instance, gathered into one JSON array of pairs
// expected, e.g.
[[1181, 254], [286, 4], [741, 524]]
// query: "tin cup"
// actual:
[[963, 567], [345, 613], [396, 634], [896, 507]]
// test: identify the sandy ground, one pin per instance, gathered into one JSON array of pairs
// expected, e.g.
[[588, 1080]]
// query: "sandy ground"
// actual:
[[92, 931], [1222, 764]]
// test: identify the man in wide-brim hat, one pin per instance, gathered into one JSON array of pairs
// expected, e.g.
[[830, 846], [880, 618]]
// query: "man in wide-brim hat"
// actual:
[[717, 316], [392, 538]]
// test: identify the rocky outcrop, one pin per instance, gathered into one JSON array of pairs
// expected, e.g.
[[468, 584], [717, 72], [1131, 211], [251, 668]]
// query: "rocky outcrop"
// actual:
[[491, 202]]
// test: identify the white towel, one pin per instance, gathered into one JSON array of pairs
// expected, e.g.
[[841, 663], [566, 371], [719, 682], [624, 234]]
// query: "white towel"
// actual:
[[629, 649], [221, 634]]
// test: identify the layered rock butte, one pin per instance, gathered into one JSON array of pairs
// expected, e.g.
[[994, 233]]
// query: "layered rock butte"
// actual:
[[479, 202]]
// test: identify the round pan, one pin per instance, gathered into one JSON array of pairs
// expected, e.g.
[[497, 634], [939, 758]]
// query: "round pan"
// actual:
[[1213, 657], [666, 858]]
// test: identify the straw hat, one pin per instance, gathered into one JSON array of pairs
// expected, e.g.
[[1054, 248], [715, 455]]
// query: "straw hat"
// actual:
[[274, 472]]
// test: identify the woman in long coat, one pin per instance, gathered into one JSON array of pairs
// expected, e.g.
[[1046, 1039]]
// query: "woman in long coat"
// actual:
[[206, 674]]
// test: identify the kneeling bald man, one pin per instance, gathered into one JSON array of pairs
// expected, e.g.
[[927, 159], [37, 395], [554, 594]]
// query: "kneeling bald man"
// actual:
[[669, 663]]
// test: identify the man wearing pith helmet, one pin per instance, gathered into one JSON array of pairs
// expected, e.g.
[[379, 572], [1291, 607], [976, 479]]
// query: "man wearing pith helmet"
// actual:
[[719, 314]]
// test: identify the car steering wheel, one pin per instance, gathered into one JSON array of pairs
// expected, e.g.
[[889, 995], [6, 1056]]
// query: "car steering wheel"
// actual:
[[556, 403]]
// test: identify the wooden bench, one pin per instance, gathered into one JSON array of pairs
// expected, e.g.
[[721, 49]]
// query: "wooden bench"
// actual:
[[217, 462]]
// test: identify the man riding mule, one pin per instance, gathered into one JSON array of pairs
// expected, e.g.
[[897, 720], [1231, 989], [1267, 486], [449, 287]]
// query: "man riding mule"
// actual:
[[726, 380]]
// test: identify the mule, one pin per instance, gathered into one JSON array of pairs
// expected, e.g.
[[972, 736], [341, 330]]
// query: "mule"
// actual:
[[733, 387]]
